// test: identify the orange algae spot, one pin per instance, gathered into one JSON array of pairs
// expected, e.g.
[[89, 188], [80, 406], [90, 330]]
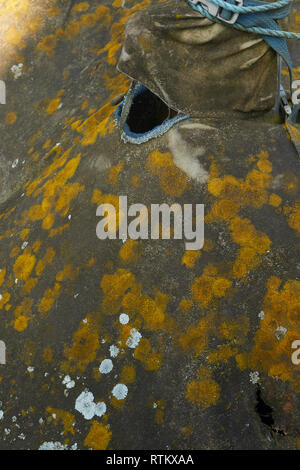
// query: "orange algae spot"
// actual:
[[204, 393], [24, 265], [99, 437], [171, 179], [10, 118]]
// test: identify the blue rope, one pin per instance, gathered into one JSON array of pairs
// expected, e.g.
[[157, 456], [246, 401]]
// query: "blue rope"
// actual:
[[252, 9], [249, 29], [259, 18]]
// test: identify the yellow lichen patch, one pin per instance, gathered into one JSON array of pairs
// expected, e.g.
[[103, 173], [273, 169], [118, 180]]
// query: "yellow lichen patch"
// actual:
[[253, 243], [2, 275], [47, 259], [85, 345], [190, 257], [21, 323], [98, 438], [69, 272], [114, 173], [57, 193], [5, 298], [29, 285], [208, 287], [131, 252], [265, 166], [99, 123], [185, 305], [128, 374], [294, 217], [49, 298], [275, 200], [47, 45], [53, 106], [80, 7], [66, 418], [114, 287], [24, 234], [10, 118], [135, 181], [204, 393], [222, 354], [171, 179], [53, 11], [14, 252], [48, 355], [24, 265], [272, 348], [197, 336]]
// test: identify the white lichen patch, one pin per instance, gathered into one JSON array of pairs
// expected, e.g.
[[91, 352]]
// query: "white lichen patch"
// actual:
[[16, 70], [124, 319], [68, 382], [52, 446], [254, 377], [114, 350], [120, 391], [87, 407], [134, 338], [100, 409], [1, 414], [280, 332], [85, 404], [106, 366], [261, 315]]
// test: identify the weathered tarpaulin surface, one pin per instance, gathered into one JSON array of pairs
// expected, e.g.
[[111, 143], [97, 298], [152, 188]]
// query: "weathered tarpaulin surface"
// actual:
[[212, 367], [197, 66]]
